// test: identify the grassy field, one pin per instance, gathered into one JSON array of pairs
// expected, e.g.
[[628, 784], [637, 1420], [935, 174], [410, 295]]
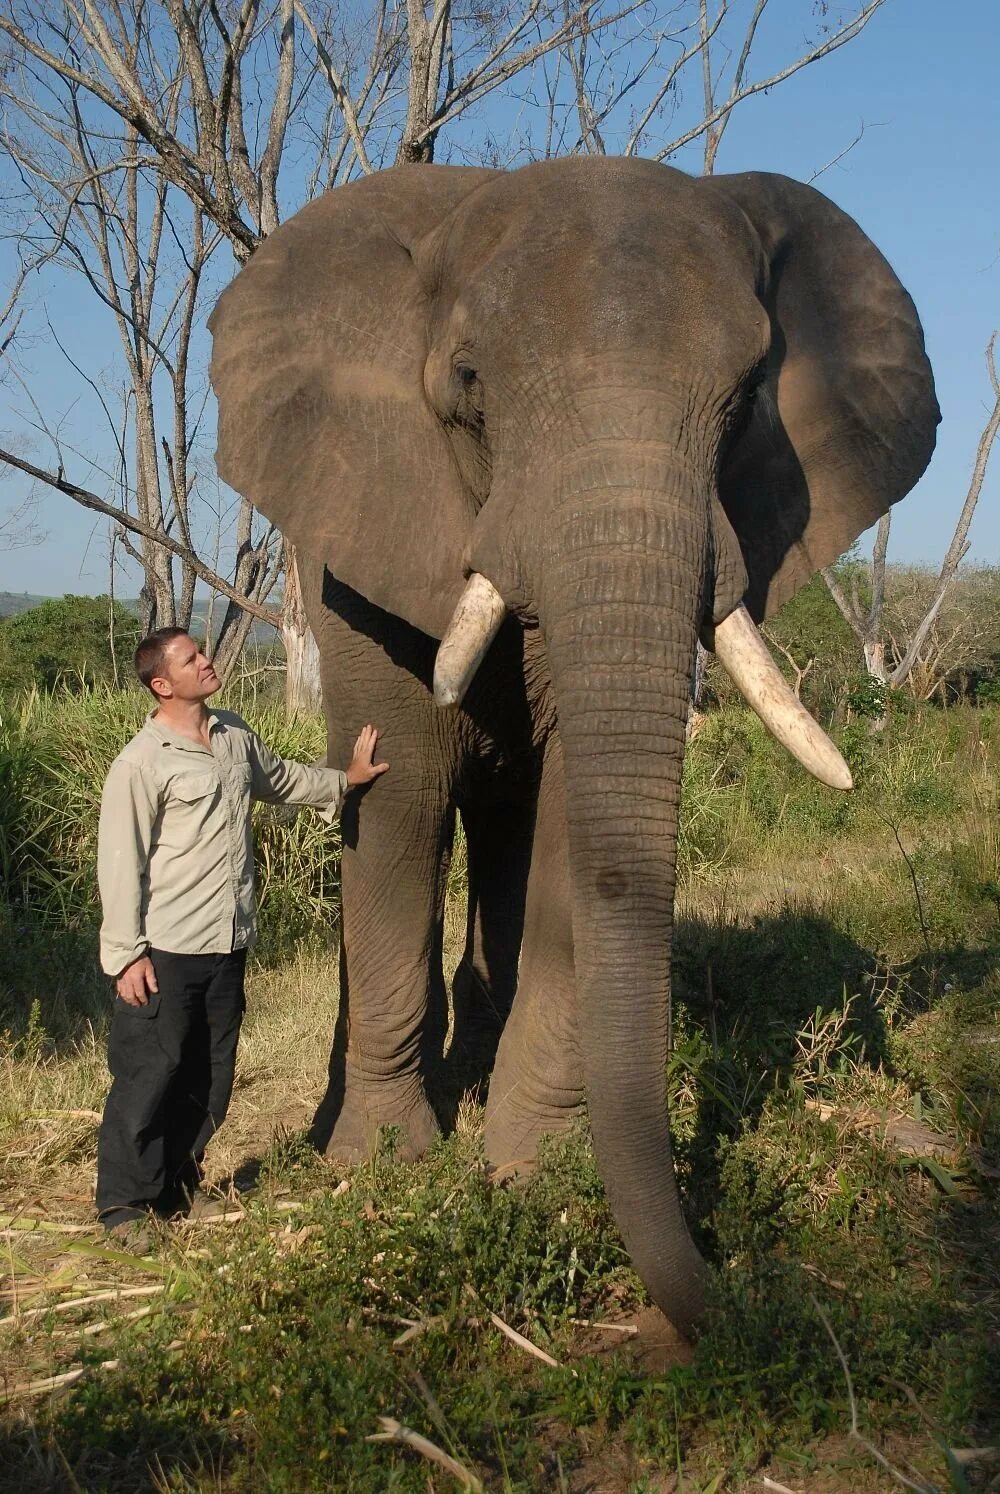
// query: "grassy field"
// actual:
[[836, 1101]]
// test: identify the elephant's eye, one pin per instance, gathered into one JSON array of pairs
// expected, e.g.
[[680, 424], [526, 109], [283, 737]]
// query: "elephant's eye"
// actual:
[[464, 374]]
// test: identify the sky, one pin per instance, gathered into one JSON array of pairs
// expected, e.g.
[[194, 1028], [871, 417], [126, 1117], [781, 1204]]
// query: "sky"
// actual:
[[922, 182]]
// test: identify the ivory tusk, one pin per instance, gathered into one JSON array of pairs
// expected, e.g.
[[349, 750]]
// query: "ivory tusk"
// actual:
[[473, 627], [747, 660]]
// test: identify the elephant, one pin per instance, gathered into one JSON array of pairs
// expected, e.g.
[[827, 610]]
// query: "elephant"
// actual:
[[533, 433]]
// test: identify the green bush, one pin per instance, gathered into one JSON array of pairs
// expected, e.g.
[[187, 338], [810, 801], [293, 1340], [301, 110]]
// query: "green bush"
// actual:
[[66, 642]]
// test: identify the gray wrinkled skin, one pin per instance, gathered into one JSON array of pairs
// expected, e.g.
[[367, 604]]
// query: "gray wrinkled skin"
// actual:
[[630, 399]]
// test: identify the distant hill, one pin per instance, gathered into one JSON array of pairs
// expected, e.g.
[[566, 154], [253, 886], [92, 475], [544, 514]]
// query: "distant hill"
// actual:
[[11, 603]]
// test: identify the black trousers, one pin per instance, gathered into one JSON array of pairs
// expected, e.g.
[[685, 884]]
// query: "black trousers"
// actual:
[[172, 1063]]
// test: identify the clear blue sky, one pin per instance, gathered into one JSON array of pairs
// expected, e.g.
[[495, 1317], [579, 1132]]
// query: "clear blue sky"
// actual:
[[922, 183]]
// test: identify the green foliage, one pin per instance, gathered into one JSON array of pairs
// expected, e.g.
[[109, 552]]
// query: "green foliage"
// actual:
[[67, 642], [744, 795], [867, 697], [280, 1343]]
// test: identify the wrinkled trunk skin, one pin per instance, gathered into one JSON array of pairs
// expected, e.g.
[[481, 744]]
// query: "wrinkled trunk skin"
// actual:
[[620, 603]]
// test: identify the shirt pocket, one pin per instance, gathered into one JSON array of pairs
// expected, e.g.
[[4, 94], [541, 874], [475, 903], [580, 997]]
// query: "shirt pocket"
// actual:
[[192, 788]]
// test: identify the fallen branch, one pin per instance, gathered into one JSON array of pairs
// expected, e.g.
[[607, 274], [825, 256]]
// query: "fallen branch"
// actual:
[[16, 1319], [89, 1115], [855, 1431], [908, 1136], [56, 1382], [127, 1317], [414, 1329], [629, 1328], [512, 1333], [394, 1431], [60, 1382]]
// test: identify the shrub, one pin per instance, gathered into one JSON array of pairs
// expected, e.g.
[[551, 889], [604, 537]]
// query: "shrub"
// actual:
[[66, 642]]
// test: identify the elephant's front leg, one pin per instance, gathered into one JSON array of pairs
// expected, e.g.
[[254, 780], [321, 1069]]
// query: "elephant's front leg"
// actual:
[[537, 1084], [395, 840]]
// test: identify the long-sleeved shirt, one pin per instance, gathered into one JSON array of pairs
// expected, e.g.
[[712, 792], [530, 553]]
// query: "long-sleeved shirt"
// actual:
[[174, 848]]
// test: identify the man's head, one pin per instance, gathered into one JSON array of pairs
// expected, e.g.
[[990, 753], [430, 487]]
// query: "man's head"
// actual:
[[173, 667]]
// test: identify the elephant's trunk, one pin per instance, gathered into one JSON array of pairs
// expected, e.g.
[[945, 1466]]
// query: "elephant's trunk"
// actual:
[[620, 600]]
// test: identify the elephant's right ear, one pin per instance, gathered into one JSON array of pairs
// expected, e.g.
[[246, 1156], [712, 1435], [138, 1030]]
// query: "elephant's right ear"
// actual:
[[318, 363], [844, 421]]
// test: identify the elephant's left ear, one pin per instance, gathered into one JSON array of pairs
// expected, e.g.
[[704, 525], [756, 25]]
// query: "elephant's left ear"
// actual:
[[318, 366], [845, 422]]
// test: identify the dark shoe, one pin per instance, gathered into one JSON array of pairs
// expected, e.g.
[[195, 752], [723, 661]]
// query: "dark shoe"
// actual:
[[128, 1229], [205, 1210]]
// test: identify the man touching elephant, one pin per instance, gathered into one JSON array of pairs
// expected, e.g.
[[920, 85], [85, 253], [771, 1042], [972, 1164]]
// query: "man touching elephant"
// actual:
[[175, 867]]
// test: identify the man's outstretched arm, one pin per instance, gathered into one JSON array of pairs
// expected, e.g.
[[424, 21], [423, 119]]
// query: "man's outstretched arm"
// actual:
[[278, 780]]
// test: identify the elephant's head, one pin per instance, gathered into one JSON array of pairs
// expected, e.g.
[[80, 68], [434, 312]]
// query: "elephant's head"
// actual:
[[629, 400]]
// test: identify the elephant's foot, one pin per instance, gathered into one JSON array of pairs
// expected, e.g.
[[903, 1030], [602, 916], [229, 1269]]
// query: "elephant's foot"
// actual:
[[516, 1123], [370, 1108]]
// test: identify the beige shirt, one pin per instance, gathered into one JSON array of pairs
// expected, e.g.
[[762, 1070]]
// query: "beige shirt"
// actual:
[[174, 848]]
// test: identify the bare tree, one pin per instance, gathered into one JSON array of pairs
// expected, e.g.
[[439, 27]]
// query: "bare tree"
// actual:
[[964, 637], [146, 135], [18, 529], [891, 657]]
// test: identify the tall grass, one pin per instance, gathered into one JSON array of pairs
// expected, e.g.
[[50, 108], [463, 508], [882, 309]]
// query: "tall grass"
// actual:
[[744, 797]]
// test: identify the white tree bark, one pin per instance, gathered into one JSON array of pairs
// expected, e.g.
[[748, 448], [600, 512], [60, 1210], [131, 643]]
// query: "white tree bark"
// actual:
[[303, 692]]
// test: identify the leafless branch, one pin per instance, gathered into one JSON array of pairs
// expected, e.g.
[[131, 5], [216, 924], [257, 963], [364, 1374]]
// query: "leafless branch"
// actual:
[[136, 526]]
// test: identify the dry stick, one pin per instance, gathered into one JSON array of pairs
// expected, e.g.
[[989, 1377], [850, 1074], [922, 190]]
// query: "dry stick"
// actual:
[[55, 1382], [512, 1333], [769, 1483], [855, 1433], [629, 1328], [394, 1431], [415, 1330], [89, 1115], [92, 1328], [58, 1382], [40, 1312]]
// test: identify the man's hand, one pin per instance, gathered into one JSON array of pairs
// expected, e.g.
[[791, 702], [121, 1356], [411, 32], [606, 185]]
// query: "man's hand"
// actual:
[[136, 980], [363, 768]]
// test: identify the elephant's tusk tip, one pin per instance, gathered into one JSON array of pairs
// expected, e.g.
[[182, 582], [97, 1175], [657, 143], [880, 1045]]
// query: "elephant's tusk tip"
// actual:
[[473, 627], [446, 697], [840, 777]]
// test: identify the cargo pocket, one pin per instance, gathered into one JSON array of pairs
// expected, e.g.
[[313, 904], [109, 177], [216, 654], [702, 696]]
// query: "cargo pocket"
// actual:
[[191, 787]]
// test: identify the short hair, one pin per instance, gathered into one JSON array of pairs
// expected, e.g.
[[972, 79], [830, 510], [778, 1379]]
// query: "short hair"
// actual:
[[151, 652]]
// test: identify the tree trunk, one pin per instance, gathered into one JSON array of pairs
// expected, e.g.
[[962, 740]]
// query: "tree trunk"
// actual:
[[302, 683], [875, 660]]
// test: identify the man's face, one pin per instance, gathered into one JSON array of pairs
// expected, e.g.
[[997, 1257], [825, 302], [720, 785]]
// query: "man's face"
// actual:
[[187, 674]]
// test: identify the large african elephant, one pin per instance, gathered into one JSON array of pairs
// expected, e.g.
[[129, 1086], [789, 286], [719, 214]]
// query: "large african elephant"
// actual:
[[618, 402]]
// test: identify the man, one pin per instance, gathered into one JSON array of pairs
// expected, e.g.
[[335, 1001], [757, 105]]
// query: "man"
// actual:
[[175, 867]]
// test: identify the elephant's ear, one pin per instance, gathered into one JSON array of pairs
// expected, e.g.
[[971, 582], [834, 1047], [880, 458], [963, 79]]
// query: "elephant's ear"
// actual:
[[845, 422], [318, 361]]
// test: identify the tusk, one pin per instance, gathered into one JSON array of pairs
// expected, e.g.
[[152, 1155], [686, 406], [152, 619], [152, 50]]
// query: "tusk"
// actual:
[[473, 627], [746, 658]]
